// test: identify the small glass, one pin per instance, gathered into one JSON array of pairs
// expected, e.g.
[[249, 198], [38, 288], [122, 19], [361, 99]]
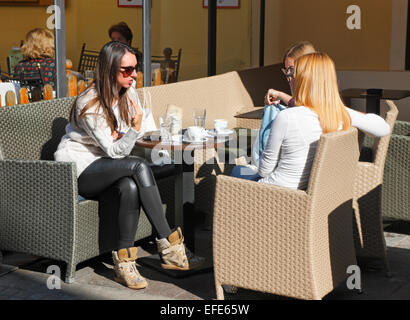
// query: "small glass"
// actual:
[[199, 117], [165, 132], [176, 127]]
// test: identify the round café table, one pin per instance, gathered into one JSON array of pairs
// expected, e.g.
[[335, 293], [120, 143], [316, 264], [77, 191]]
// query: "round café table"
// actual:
[[184, 204], [183, 161]]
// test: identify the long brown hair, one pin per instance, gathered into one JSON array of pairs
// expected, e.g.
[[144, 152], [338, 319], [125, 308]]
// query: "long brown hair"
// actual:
[[316, 88], [105, 84]]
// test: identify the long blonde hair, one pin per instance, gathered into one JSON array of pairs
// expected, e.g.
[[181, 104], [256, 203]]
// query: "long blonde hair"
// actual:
[[298, 50], [39, 43], [316, 88]]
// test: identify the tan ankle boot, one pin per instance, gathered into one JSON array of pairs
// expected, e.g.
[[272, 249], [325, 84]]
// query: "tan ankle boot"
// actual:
[[174, 255], [126, 270]]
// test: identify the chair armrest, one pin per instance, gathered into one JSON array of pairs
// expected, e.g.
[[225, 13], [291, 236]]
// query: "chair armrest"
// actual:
[[46, 188], [38, 206], [234, 193], [257, 224], [280, 209], [26, 177]]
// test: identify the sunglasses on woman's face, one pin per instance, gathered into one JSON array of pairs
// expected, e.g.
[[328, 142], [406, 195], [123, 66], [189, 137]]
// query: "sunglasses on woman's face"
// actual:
[[127, 72]]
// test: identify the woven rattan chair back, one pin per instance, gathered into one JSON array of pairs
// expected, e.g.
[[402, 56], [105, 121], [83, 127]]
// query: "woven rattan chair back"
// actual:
[[21, 141], [368, 226], [382, 144], [332, 158], [396, 177]]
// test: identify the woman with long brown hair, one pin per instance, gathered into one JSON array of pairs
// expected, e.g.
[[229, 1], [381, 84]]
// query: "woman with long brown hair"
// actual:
[[291, 147], [105, 121]]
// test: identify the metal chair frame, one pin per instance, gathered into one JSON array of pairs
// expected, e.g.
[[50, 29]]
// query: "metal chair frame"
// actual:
[[88, 59]]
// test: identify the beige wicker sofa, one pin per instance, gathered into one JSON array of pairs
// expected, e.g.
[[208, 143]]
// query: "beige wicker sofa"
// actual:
[[223, 95]]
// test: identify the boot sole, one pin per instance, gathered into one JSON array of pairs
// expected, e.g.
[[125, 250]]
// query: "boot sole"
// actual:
[[136, 287], [172, 267]]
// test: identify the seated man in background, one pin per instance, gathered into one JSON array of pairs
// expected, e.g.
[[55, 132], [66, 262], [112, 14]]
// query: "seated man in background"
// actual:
[[168, 67]]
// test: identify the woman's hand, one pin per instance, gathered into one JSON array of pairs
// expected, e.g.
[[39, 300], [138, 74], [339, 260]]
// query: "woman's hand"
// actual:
[[136, 119], [273, 97], [116, 135]]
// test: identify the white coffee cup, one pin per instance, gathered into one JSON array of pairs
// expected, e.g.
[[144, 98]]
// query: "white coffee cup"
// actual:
[[195, 133], [220, 125]]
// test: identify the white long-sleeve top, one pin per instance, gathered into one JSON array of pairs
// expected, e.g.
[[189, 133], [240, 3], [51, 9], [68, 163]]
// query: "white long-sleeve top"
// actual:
[[91, 138], [291, 147]]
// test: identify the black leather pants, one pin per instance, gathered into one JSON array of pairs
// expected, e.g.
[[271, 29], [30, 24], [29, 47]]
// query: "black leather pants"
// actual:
[[132, 179]]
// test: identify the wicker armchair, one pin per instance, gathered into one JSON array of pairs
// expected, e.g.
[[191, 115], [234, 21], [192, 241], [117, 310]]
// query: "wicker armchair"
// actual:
[[396, 178], [288, 242], [368, 226], [40, 213], [209, 163]]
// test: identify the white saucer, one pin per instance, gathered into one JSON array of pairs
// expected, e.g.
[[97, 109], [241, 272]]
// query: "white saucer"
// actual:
[[221, 133], [187, 140]]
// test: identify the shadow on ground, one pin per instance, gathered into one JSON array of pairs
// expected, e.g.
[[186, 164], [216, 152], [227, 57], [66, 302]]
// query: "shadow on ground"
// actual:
[[94, 278]]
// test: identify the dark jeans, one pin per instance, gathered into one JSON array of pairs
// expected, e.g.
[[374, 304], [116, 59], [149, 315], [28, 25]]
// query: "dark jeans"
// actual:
[[246, 173], [132, 179]]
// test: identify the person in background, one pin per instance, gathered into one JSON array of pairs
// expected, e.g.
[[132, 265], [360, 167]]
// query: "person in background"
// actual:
[[296, 51], [168, 67], [273, 106], [107, 108], [121, 32], [38, 51], [293, 139]]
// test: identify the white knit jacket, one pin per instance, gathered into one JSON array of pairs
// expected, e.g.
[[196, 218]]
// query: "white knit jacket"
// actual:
[[91, 138]]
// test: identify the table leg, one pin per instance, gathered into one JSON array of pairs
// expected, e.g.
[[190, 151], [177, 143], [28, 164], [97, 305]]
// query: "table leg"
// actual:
[[184, 207], [373, 104], [179, 197], [184, 217]]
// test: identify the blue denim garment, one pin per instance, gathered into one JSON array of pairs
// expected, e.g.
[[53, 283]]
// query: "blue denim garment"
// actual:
[[246, 173], [269, 115]]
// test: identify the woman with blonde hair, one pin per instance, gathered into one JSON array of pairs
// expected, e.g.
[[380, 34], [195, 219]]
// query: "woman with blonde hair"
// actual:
[[291, 147], [296, 51], [275, 102], [38, 51]]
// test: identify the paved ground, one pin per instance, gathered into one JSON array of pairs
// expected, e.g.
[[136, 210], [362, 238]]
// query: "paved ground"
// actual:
[[94, 278]]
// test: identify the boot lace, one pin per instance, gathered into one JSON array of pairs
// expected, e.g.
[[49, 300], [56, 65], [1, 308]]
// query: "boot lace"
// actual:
[[132, 269]]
